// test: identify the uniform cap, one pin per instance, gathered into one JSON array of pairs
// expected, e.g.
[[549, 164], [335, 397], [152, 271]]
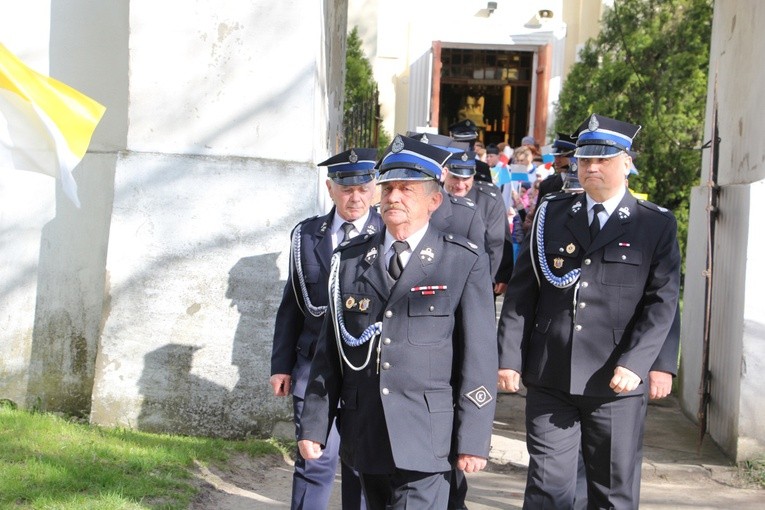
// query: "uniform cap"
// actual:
[[407, 159], [351, 167], [464, 130], [563, 145], [602, 137], [462, 164]]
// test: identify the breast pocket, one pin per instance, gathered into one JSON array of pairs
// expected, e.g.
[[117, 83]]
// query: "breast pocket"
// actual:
[[621, 266], [430, 318]]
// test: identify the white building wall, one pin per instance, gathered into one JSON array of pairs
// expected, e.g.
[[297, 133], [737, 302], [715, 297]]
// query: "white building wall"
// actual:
[[737, 333], [153, 305]]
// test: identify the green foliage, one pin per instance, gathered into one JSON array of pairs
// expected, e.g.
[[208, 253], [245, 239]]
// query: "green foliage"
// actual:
[[360, 83], [359, 80], [49, 462], [649, 66], [753, 471]]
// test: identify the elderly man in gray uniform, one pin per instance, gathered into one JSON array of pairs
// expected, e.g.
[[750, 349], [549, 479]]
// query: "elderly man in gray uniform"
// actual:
[[350, 183], [590, 304], [415, 399]]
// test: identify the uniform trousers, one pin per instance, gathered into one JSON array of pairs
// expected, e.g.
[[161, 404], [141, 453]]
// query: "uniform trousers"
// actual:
[[406, 490], [609, 431], [312, 482]]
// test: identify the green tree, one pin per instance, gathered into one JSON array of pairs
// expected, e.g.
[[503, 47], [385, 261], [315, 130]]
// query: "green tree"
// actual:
[[360, 84], [648, 66]]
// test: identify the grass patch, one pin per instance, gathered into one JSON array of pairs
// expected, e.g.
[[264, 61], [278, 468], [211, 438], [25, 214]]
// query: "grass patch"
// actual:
[[753, 471], [49, 462]]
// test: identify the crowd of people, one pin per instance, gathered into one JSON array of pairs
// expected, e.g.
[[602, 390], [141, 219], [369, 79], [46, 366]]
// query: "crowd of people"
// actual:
[[387, 339]]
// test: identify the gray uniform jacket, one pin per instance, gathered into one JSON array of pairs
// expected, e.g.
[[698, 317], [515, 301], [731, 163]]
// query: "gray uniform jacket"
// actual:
[[619, 311], [459, 215], [424, 397], [488, 200]]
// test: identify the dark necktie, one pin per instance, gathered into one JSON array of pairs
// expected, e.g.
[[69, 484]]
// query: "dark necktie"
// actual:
[[395, 266], [595, 225], [347, 227]]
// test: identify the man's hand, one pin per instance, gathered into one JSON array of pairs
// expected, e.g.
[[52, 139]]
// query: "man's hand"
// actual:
[[470, 463], [508, 380], [309, 450], [500, 288], [281, 384], [659, 384], [624, 380]]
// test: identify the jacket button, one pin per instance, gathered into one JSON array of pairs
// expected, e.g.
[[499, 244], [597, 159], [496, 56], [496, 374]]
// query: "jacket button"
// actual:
[[587, 262], [388, 314], [582, 305], [386, 365], [585, 285], [385, 391], [624, 257], [386, 341], [578, 327], [431, 308]]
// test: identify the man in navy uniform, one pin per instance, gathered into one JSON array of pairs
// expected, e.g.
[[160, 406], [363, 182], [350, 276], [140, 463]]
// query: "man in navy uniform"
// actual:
[[562, 149], [466, 131], [590, 304], [351, 185], [415, 399]]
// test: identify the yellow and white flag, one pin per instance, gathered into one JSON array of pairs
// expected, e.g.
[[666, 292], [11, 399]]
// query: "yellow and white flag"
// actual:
[[45, 125]]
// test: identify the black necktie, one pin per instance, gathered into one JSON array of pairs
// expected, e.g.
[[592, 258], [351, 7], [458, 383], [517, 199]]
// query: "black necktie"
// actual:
[[395, 267], [347, 227], [595, 225]]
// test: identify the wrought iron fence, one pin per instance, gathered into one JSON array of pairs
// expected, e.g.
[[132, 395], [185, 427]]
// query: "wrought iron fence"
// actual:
[[362, 122]]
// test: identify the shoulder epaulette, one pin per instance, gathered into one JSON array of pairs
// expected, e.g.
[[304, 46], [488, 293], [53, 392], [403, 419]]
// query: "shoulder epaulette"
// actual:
[[559, 195], [462, 241], [488, 189], [463, 201], [653, 207], [301, 223]]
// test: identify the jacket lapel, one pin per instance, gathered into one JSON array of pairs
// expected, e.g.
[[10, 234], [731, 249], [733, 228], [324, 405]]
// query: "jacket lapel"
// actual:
[[577, 221], [616, 225], [323, 247]]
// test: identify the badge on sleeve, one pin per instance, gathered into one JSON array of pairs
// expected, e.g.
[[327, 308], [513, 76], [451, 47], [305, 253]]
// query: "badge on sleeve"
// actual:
[[479, 396]]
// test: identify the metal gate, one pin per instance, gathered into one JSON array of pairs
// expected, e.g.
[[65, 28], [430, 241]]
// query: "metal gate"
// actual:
[[362, 122]]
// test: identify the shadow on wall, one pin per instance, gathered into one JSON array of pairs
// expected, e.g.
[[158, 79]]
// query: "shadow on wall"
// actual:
[[177, 401]]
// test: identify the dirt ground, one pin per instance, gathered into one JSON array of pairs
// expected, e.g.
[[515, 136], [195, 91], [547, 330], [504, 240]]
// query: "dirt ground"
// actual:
[[676, 473]]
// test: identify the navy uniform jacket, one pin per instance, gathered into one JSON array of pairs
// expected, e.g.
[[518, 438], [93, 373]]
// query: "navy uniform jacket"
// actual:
[[488, 200], [296, 329], [618, 313], [427, 397]]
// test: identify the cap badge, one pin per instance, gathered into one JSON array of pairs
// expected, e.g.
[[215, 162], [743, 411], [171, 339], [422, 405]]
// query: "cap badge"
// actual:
[[353, 157], [397, 145], [464, 156], [624, 212], [350, 303], [424, 139], [594, 124], [558, 263], [427, 254], [570, 248], [371, 255], [364, 304], [479, 396], [662, 209], [575, 208], [468, 123]]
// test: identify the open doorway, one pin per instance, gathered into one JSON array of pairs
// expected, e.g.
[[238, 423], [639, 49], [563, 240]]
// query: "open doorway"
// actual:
[[490, 87]]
